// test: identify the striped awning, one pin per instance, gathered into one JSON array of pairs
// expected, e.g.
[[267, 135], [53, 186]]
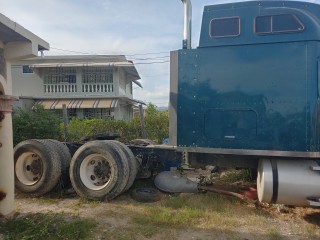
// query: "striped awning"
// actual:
[[78, 103]]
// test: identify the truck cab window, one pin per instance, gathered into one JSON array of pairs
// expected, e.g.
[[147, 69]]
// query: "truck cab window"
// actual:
[[281, 23], [225, 27]]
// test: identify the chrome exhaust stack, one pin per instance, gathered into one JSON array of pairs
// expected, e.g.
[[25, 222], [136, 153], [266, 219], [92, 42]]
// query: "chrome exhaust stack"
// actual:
[[186, 44]]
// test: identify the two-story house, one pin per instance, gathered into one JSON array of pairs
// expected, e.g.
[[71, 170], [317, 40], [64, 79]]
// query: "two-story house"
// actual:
[[89, 86]]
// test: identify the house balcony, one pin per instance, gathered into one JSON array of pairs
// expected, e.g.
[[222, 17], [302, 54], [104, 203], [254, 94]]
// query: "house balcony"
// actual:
[[60, 88], [50, 89], [97, 88]]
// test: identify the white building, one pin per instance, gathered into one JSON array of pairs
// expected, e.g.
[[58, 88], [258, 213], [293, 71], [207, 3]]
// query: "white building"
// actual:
[[90, 86], [16, 43]]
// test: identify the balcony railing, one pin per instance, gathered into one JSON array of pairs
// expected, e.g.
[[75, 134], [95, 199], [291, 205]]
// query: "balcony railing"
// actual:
[[97, 88], [72, 88], [60, 88]]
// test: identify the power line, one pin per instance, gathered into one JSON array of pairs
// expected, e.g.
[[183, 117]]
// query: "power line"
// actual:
[[129, 55], [143, 54], [146, 63], [133, 59], [157, 75], [143, 59], [72, 51]]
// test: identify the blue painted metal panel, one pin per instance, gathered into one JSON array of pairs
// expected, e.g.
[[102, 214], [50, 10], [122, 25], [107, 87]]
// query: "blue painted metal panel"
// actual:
[[307, 13], [247, 93]]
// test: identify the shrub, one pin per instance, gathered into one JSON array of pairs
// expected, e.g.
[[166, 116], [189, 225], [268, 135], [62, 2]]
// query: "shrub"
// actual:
[[38, 123], [80, 128], [41, 123], [156, 123]]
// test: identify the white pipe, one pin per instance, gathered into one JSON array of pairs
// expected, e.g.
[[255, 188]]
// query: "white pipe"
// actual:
[[187, 24]]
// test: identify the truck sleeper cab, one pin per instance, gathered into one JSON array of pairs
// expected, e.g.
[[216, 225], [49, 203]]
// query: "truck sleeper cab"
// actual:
[[248, 95]]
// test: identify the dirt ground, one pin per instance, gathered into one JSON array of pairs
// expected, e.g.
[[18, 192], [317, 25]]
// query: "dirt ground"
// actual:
[[117, 214]]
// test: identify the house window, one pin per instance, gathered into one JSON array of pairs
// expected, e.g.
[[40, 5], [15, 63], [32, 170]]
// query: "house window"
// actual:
[[97, 75], [72, 113], [60, 75], [88, 113], [225, 27], [97, 79], [26, 69], [281, 23], [60, 80], [102, 113]]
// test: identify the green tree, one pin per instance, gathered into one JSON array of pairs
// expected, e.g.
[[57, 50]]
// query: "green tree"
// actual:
[[80, 128], [38, 123], [157, 123]]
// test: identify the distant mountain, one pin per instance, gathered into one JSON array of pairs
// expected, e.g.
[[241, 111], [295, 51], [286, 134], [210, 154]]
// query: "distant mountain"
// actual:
[[162, 108]]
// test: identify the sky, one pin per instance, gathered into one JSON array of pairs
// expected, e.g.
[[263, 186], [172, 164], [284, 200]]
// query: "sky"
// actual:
[[145, 31]]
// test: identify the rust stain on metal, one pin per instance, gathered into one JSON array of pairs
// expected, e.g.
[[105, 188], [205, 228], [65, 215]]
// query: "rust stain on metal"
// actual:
[[2, 195]]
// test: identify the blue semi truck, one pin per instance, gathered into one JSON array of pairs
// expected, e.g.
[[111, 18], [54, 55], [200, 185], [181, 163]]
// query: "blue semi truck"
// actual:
[[247, 96]]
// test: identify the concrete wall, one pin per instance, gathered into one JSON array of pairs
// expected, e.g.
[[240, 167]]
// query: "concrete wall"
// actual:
[[125, 86], [26, 84], [23, 103]]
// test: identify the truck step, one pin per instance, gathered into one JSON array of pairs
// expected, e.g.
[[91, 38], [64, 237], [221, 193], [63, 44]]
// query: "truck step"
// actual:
[[314, 201], [315, 168]]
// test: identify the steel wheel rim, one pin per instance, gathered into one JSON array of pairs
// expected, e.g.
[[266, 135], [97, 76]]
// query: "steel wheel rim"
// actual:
[[95, 172], [29, 168]]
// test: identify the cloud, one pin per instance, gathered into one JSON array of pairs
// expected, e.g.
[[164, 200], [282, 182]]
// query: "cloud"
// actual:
[[113, 27], [159, 95]]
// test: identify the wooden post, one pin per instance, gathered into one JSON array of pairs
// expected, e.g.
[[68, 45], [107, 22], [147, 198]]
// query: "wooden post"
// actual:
[[143, 128], [65, 121]]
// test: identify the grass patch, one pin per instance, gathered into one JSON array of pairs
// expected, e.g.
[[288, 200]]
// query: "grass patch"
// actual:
[[273, 234], [133, 232], [81, 202], [47, 200], [215, 202], [311, 232], [203, 211], [89, 202], [47, 226]]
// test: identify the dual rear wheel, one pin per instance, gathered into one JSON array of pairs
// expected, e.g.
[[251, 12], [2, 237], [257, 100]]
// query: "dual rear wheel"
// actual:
[[102, 170], [99, 170], [38, 166]]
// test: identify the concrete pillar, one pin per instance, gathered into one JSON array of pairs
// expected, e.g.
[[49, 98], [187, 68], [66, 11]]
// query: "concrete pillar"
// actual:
[[20, 44], [6, 165], [79, 81], [6, 145]]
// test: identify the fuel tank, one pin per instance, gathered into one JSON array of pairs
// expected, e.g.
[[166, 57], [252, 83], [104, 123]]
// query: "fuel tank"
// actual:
[[288, 182]]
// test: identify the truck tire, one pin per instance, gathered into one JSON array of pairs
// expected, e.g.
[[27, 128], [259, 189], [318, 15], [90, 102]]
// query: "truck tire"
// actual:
[[133, 164], [97, 171], [120, 188], [37, 167], [65, 158], [146, 194]]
